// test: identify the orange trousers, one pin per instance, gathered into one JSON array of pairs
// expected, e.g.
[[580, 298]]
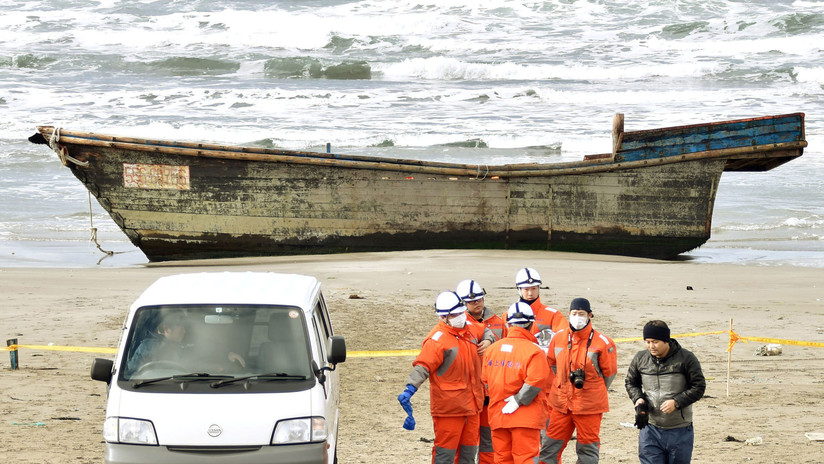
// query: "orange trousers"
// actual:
[[485, 448], [518, 445], [456, 439], [587, 428]]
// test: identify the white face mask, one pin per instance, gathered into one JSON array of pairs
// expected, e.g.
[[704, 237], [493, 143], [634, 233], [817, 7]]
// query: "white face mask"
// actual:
[[578, 322], [458, 321]]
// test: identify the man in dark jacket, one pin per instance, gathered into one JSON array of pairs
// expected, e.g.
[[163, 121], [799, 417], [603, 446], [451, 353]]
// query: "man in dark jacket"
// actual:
[[663, 381]]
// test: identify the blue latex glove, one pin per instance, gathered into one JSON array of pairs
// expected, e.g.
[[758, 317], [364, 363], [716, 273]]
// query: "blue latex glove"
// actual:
[[409, 423], [403, 399]]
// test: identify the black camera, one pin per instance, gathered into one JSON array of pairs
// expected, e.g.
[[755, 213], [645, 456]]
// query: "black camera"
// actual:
[[577, 378]]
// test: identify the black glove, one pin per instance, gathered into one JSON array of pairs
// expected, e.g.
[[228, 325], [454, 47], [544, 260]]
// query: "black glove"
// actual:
[[641, 415]]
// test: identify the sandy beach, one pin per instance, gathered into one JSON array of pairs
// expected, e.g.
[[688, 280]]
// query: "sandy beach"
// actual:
[[52, 412]]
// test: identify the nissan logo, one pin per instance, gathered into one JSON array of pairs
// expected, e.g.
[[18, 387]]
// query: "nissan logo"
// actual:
[[214, 430]]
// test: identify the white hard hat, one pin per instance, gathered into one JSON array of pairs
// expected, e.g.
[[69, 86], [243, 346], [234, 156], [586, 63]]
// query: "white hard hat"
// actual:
[[527, 277], [470, 290], [519, 313], [449, 302]]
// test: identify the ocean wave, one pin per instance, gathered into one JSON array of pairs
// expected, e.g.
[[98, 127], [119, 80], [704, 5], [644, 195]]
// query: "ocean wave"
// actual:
[[444, 68], [26, 61], [812, 221], [805, 74], [189, 66], [432, 68], [440, 41], [719, 253], [405, 29], [682, 30], [806, 237], [809, 222], [471, 143], [799, 23], [307, 67]]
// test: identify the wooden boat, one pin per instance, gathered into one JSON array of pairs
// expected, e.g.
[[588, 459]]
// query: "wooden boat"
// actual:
[[652, 196]]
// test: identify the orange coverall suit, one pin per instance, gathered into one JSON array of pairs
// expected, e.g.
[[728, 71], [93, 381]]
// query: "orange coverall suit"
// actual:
[[547, 318], [574, 408], [516, 366], [494, 323], [449, 359], [554, 321]]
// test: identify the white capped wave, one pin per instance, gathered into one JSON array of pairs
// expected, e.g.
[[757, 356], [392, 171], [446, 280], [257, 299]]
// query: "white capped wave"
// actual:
[[814, 75], [452, 68], [494, 28], [809, 222]]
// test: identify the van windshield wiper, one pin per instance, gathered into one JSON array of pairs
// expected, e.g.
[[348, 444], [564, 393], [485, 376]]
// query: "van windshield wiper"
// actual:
[[266, 377], [186, 377]]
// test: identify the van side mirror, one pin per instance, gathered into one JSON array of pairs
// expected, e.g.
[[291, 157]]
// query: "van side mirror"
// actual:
[[336, 354], [102, 369], [337, 349]]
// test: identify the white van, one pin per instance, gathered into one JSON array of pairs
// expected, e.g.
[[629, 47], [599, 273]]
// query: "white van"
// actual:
[[224, 367]]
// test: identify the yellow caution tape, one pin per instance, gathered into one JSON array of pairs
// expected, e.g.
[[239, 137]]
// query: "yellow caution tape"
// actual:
[[79, 349], [734, 338], [783, 342]]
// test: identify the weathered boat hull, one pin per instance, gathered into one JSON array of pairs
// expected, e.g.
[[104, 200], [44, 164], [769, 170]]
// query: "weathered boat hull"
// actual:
[[185, 201]]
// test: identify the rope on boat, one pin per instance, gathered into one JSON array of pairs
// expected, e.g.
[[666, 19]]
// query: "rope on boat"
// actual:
[[94, 232], [478, 171], [61, 151]]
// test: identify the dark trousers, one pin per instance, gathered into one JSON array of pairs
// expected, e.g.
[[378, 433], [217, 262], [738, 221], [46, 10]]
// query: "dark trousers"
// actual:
[[665, 446]]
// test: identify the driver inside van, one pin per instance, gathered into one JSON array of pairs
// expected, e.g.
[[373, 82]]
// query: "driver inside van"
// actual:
[[168, 345]]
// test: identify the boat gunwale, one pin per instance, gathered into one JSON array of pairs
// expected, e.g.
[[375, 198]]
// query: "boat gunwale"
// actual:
[[691, 127], [589, 164], [476, 171]]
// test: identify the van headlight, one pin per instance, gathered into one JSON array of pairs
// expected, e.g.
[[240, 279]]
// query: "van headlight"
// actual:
[[302, 430], [131, 431]]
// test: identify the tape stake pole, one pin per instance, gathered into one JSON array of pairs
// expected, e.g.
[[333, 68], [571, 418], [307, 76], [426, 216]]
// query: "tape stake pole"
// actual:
[[12, 352], [729, 360]]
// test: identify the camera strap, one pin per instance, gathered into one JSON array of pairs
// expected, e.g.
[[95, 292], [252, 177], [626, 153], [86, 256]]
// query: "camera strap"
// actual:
[[569, 348]]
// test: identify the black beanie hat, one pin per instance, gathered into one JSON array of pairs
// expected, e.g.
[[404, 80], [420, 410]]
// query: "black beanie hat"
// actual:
[[580, 303], [657, 332]]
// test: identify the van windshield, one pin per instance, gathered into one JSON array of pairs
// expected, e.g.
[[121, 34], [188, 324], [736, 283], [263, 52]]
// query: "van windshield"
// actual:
[[207, 342]]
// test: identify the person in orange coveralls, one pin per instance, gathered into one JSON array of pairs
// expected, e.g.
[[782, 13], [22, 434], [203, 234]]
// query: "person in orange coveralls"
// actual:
[[547, 320], [585, 363], [472, 294], [515, 372], [449, 359]]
